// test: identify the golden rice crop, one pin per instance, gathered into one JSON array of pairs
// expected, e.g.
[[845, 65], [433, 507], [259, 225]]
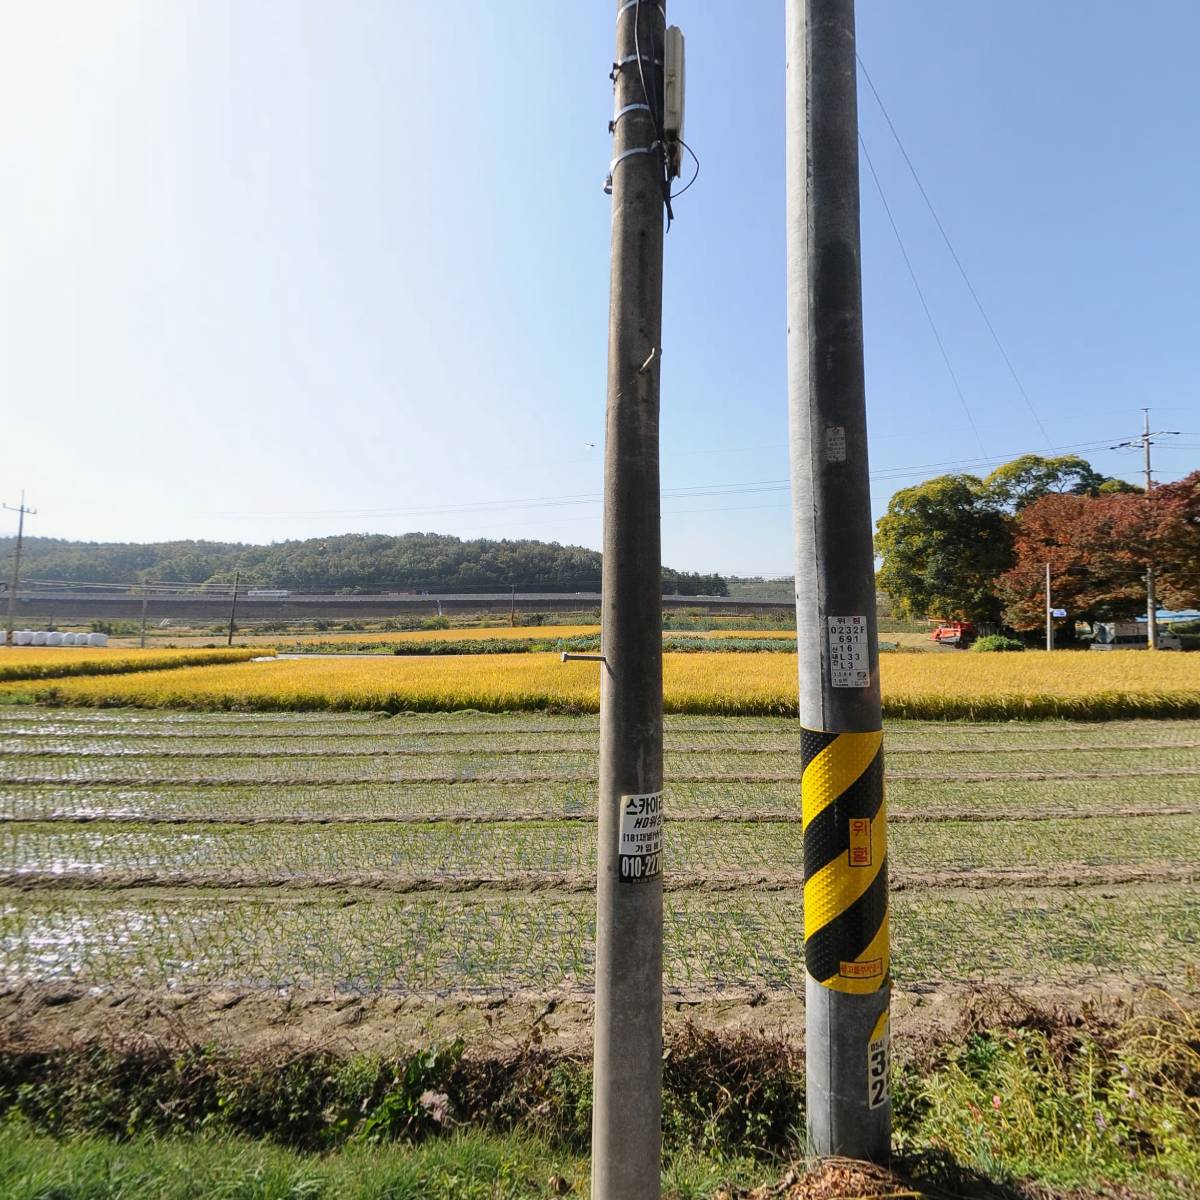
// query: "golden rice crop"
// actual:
[[1031, 685], [53, 662]]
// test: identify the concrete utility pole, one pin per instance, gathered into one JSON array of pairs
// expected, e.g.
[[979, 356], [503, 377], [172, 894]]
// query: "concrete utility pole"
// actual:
[[846, 949], [1146, 441], [1151, 598], [627, 1101], [1049, 613], [237, 575], [15, 577], [142, 641]]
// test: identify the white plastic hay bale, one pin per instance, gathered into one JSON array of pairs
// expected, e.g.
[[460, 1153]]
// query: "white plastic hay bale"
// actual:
[[68, 639], [54, 638], [22, 637], [39, 637], [97, 639]]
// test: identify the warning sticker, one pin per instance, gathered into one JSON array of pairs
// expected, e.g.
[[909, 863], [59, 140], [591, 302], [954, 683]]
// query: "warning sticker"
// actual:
[[860, 841], [639, 848], [878, 1055], [849, 655]]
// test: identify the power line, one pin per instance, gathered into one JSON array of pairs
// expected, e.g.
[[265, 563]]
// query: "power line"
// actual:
[[695, 491], [920, 294], [953, 253]]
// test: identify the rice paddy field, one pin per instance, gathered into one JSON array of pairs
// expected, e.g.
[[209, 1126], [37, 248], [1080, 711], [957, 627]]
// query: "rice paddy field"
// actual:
[[41, 662], [445, 855], [1068, 684]]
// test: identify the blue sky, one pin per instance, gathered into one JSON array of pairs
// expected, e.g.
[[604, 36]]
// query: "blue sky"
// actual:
[[273, 270]]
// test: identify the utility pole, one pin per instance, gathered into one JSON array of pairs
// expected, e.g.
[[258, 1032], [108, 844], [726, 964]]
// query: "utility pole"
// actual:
[[512, 612], [1146, 441], [846, 949], [1049, 613], [237, 575], [142, 643], [14, 578], [627, 1076]]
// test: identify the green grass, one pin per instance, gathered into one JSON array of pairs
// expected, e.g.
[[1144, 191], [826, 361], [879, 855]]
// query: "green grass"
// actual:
[[1027, 1103], [472, 1166]]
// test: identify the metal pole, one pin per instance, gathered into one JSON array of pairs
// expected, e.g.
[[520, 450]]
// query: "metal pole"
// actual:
[[627, 1101], [1049, 613], [512, 612], [143, 638], [233, 606], [845, 841], [1151, 598], [15, 577]]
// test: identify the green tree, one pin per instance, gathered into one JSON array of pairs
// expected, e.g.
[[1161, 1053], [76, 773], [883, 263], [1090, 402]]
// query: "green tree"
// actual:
[[1028, 478], [942, 544]]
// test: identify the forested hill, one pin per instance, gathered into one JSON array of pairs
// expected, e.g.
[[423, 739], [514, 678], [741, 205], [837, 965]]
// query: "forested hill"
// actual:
[[365, 562]]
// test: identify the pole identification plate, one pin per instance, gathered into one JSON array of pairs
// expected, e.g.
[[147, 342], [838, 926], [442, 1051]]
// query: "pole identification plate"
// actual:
[[878, 1055], [835, 443], [639, 845], [849, 654]]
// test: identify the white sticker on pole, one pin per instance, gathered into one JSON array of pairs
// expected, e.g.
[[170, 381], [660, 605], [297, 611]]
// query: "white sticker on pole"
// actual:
[[835, 443], [639, 849], [849, 653]]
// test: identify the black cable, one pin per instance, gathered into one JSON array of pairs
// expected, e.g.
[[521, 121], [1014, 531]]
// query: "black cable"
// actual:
[[695, 174], [652, 105]]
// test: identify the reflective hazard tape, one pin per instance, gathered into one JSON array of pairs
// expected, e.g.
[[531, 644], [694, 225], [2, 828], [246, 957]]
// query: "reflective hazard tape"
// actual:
[[845, 860]]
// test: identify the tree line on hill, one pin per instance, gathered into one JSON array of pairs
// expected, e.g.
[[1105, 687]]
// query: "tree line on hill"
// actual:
[[961, 547], [348, 562]]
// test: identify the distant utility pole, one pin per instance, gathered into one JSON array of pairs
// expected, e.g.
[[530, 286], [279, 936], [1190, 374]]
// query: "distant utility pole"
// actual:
[[142, 643], [237, 575], [846, 952], [1049, 613], [627, 1077], [1146, 441], [15, 577], [512, 612]]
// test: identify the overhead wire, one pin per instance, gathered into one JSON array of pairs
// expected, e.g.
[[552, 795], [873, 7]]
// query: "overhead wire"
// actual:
[[1012, 370], [694, 491], [921, 295]]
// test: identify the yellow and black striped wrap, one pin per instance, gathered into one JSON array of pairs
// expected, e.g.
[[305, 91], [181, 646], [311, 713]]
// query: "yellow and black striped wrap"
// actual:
[[845, 860]]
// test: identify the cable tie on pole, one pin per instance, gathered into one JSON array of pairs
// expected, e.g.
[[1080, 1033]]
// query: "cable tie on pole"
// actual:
[[649, 359], [621, 63], [612, 125], [634, 4], [612, 166]]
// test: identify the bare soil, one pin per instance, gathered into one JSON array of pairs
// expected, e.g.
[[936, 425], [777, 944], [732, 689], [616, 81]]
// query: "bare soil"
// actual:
[[50, 1016]]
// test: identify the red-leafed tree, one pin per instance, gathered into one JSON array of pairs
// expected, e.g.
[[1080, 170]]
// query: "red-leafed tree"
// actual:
[[1177, 541], [1097, 548]]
